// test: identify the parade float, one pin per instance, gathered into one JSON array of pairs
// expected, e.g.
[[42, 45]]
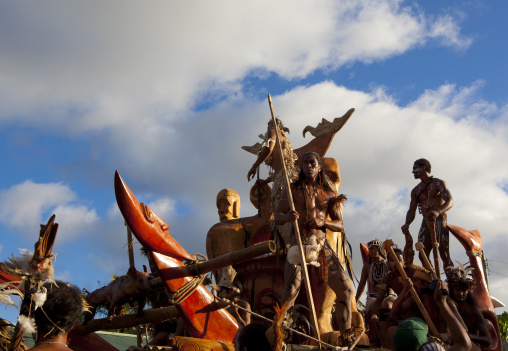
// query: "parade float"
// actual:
[[249, 252]]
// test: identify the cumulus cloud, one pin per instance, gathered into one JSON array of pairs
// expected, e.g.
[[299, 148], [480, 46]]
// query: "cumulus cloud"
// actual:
[[89, 78], [24, 206]]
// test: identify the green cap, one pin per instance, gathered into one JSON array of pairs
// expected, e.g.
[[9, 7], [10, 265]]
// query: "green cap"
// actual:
[[410, 335]]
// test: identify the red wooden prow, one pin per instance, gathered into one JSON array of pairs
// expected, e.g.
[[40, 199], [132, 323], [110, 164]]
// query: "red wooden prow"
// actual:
[[202, 318]]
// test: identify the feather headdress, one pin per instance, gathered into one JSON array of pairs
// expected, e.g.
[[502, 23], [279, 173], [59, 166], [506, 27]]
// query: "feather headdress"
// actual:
[[459, 277]]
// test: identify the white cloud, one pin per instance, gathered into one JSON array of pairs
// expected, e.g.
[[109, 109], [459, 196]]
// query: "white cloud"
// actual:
[[24, 206], [445, 28], [163, 207], [134, 65]]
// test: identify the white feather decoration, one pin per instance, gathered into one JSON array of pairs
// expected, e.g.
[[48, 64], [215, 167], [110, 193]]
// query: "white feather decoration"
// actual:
[[7, 289], [311, 251], [40, 297], [27, 324]]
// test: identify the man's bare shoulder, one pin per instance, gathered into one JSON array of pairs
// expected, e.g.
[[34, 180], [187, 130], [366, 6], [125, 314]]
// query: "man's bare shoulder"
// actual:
[[437, 181], [416, 190]]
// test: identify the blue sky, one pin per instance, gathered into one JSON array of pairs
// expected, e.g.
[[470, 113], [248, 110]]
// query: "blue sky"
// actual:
[[167, 93]]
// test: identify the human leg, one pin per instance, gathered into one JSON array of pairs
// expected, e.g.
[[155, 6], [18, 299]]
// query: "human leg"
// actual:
[[425, 239], [292, 284], [443, 238], [341, 286]]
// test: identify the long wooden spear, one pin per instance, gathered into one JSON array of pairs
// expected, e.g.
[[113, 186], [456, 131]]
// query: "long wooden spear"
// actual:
[[310, 299]]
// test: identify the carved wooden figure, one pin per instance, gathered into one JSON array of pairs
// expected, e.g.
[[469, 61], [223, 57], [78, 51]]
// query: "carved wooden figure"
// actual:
[[201, 319], [472, 242]]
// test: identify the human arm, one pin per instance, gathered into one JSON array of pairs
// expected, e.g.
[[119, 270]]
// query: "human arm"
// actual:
[[283, 214], [241, 316], [411, 212], [460, 338], [266, 151], [244, 314], [382, 292], [332, 218], [401, 304], [446, 196], [482, 338]]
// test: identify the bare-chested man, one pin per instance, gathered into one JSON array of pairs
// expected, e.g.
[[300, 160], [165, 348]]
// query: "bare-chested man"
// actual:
[[317, 208], [433, 199], [461, 286]]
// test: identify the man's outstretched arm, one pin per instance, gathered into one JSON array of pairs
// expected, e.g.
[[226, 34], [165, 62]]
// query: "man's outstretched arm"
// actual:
[[263, 155], [461, 340], [411, 213]]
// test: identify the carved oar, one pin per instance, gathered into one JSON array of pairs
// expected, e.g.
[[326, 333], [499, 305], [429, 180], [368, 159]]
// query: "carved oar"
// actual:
[[305, 272], [388, 246], [432, 228], [425, 260]]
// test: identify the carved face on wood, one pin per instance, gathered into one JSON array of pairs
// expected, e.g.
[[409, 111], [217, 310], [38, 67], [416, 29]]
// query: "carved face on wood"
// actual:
[[228, 204]]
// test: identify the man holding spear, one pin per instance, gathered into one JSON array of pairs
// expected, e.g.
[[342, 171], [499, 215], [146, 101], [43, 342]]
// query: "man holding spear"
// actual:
[[316, 208], [433, 199]]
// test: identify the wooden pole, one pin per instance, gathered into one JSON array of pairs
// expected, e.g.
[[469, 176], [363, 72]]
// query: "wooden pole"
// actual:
[[388, 246], [130, 248], [305, 272], [420, 248], [157, 315]]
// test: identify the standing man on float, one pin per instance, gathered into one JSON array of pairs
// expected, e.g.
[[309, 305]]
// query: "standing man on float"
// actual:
[[315, 198], [433, 199]]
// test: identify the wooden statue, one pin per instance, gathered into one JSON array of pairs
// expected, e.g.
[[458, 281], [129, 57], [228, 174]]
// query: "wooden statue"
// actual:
[[472, 242], [228, 204], [433, 199], [270, 153], [124, 289], [236, 234]]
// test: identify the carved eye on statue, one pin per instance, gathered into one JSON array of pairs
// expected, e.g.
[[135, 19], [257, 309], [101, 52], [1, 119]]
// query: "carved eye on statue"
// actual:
[[151, 217], [147, 212]]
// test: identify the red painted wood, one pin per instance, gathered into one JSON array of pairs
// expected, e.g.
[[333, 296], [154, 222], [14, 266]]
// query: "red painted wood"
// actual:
[[201, 316]]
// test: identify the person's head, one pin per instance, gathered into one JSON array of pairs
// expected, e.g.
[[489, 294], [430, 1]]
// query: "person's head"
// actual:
[[228, 204], [400, 256], [376, 249], [410, 334], [280, 126], [421, 279], [420, 166], [312, 168], [63, 306], [460, 282], [261, 195], [252, 337]]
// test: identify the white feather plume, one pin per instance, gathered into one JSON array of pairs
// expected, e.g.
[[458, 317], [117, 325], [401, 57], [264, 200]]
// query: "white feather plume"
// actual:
[[27, 324], [40, 297]]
